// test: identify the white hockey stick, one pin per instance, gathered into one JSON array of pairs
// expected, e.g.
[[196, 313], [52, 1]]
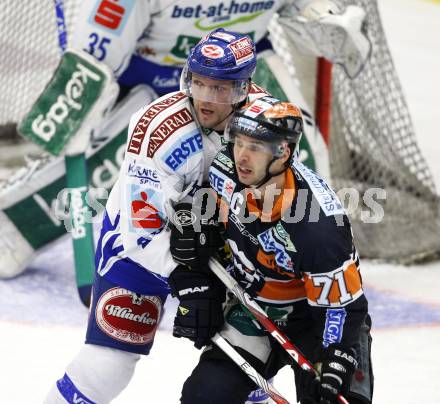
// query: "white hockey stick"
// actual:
[[247, 368], [255, 310]]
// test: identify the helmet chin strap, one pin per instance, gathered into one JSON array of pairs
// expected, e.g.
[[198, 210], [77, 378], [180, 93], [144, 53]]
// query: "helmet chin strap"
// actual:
[[268, 175], [223, 119]]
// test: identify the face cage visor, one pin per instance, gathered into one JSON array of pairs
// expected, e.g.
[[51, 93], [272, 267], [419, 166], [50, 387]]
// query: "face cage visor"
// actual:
[[207, 89]]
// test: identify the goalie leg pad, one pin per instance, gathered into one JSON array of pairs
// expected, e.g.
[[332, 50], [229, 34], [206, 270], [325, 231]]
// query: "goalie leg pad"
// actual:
[[33, 213], [72, 105], [15, 251]]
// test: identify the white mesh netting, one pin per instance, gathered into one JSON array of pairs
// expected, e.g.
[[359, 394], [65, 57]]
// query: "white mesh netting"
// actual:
[[373, 145], [29, 52]]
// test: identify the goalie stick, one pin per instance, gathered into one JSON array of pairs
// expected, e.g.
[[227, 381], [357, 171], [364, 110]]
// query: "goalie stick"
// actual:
[[62, 120], [76, 178], [256, 311], [247, 368]]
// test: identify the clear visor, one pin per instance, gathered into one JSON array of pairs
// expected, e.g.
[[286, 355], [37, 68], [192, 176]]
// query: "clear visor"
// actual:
[[243, 142], [206, 89]]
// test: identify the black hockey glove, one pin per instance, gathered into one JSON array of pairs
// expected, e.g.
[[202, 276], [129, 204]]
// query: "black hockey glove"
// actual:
[[337, 368], [193, 246], [252, 281], [200, 313]]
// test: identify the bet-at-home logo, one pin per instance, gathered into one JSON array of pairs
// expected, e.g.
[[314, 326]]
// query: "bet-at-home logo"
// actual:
[[211, 17], [45, 126]]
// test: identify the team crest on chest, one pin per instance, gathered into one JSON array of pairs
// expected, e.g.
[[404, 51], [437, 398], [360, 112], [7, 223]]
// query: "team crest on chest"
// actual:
[[270, 243]]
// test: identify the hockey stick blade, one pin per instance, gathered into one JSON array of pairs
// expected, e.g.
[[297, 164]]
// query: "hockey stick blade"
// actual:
[[247, 368], [254, 308]]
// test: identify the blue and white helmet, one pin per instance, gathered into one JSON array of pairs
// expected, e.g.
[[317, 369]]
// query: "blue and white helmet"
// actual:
[[221, 55]]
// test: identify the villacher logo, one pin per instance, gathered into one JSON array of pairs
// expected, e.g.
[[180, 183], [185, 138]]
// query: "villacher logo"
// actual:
[[122, 319]]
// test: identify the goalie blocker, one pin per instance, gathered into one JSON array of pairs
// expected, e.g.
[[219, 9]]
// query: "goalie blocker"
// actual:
[[71, 106]]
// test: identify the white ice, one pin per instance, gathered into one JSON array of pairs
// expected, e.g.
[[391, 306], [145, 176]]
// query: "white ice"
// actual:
[[42, 323]]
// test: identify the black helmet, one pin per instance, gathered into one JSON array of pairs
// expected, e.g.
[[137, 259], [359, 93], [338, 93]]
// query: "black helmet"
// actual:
[[267, 119]]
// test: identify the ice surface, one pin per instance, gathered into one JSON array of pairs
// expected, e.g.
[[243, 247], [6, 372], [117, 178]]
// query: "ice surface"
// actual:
[[42, 321]]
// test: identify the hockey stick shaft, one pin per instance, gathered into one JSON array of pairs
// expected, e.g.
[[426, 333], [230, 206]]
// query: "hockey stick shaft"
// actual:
[[82, 230], [76, 175], [254, 308], [247, 368]]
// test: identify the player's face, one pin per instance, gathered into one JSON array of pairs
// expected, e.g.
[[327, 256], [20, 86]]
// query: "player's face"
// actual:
[[251, 159], [210, 101]]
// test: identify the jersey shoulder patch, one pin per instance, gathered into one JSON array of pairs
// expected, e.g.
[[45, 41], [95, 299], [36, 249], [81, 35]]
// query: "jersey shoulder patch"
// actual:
[[222, 175], [326, 197], [150, 112], [256, 91]]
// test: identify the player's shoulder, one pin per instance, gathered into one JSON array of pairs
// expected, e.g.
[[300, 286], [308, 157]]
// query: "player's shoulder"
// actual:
[[160, 106], [223, 161], [222, 174], [154, 124], [255, 92], [320, 224], [317, 190]]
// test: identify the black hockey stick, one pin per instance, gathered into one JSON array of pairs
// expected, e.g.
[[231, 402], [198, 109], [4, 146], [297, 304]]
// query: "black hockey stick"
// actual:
[[254, 308]]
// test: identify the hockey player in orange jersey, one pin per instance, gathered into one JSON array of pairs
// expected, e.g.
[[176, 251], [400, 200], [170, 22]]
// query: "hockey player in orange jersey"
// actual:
[[292, 249]]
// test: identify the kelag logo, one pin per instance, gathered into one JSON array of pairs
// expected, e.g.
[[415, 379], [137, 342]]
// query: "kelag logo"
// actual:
[[222, 12], [183, 149], [111, 15]]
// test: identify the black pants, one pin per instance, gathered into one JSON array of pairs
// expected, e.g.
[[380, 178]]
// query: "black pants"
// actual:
[[217, 380]]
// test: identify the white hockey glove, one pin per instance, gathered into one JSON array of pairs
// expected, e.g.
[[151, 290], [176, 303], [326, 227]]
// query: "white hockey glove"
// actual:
[[72, 104], [326, 30]]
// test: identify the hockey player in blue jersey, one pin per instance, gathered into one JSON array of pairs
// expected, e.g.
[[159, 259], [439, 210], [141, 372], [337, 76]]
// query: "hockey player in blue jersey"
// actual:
[[292, 249], [146, 43], [170, 146]]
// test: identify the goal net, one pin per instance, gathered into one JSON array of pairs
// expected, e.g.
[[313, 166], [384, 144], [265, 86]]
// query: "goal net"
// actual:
[[30, 51], [372, 147], [372, 140]]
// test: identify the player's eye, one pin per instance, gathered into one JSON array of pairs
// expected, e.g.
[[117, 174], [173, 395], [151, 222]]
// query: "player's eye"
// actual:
[[256, 146], [238, 143], [220, 89]]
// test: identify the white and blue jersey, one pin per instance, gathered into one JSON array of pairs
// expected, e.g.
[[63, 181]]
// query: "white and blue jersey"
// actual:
[[167, 156], [148, 41]]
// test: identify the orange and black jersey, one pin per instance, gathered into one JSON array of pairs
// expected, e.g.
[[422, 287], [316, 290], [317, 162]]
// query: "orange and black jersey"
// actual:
[[302, 246]]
